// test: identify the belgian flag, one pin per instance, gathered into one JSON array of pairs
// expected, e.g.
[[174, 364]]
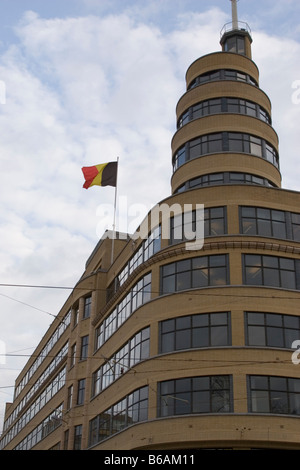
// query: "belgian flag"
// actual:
[[104, 174]]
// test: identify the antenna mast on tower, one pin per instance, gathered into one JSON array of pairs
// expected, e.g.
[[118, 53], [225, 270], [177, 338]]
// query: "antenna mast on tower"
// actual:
[[235, 23]]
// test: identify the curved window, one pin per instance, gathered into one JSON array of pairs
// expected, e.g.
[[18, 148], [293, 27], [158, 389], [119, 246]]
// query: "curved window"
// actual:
[[271, 329], [269, 223], [210, 394], [273, 271], [195, 331], [225, 142], [132, 409], [139, 294], [222, 74], [215, 223], [264, 222], [227, 178], [223, 105], [279, 395], [202, 271], [134, 351], [235, 44]]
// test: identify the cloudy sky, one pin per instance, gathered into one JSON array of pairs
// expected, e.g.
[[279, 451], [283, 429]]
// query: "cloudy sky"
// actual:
[[83, 82]]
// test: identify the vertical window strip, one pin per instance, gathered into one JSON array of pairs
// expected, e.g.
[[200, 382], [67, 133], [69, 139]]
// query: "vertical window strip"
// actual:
[[58, 358], [130, 410], [139, 294], [56, 384], [44, 353], [135, 350]]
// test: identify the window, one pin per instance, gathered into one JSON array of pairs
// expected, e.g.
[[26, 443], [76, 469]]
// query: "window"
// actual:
[[77, 437], [80, 392], [295, 220], [235, 44], [225, 142], [138, 295], [195, 331], [223, 105], [76, 315], [212, 394], [147, 249], [270, 329], [70, 397], [192, 273], [184, 225], [278, 395], [222, 75], [263, 222], [273, 271], [66, 439], [87, 307], [49, 424], [84, 347], [73, 355], [225, 178], [134, 351], [130, 410]]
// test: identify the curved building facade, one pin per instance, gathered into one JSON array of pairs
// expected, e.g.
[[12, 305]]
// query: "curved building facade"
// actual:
[[173, 346]]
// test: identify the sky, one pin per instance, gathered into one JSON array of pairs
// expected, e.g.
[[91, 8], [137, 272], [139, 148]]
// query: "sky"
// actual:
[[84, 82]]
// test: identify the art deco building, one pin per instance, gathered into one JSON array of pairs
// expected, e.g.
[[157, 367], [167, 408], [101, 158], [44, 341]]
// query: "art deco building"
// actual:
[[170, 347]]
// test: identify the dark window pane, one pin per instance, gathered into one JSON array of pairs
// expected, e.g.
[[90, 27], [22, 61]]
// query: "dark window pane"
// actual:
[[256, 318], [218, 276], [183, 403], [271, 277], [275, 337], [218, 319], [279, 402], [288, 279], [168, 342], [183, 322], [200, 278], [200, 320], [259, 382], [256, 336], [279, 229], [264, 228], [249, 226], [168, 285], [201, 402], [182, 385], [219, 336], [183, 339], [273, 319], [168, 325], [260, 401], [295, 403], [253, 276], [200, 337], [183, 280]]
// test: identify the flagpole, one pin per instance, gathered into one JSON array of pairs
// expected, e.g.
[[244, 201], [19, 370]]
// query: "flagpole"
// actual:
[[114, 220]]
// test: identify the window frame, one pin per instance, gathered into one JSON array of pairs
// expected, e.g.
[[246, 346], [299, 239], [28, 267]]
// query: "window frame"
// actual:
[[272, 396], [171, 333]]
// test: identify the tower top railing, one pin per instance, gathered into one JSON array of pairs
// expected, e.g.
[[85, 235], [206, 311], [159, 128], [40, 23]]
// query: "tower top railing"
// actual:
[[242, 26]]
